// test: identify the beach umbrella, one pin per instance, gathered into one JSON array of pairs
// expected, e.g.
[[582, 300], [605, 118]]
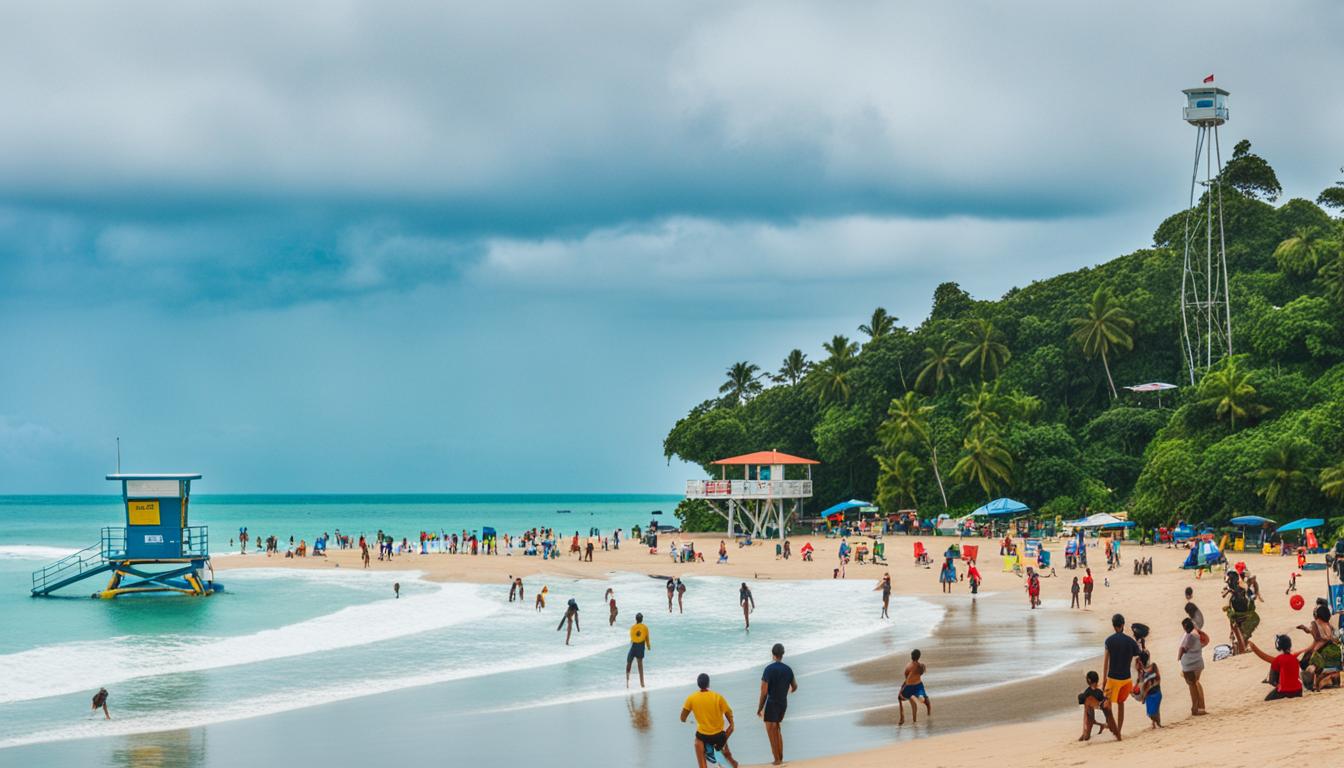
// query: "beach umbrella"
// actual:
[[1003, 507], [1300, 525], [1247, 520]]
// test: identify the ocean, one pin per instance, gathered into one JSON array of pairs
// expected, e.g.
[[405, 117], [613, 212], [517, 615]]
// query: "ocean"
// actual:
[[299, 654]]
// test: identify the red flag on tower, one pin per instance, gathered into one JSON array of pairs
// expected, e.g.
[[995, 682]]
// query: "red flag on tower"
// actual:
[[1209, 79]]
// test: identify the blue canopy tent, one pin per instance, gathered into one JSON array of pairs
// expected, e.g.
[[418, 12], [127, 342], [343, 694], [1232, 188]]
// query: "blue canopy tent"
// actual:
[[1001, 508], [1246, 522], [835, 513], [1204, 554]]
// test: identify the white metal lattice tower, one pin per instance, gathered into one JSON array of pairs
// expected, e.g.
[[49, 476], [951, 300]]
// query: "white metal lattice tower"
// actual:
[[1206, 317]]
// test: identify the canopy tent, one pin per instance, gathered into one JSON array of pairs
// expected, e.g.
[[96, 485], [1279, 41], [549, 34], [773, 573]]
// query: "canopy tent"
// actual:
[[1300, 525], [1153, 386], [1182, 532], [1001, 508], [1203, 554], [838, 510], [1099, 520], [1250, 520]]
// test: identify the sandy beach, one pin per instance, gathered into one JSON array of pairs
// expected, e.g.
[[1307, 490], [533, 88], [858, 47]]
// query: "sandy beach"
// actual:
[[1241, 729]]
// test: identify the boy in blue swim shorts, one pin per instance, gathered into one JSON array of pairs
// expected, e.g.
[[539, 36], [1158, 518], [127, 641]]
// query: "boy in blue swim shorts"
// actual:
[[912, 687], [1149, 686]]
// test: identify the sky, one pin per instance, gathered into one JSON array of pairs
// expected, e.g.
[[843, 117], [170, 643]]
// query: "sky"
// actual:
[[348, 246]]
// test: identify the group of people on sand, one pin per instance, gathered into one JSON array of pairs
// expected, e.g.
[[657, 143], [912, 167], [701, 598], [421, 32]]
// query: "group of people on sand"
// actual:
[[1132, 672]]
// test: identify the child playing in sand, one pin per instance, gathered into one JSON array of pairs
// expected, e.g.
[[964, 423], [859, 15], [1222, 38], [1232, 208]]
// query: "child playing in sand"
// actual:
[[913, 688], [1093, 698]]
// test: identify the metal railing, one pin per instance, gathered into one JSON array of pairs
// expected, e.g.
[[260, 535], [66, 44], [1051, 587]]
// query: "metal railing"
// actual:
[[70, 566], [748, 489]]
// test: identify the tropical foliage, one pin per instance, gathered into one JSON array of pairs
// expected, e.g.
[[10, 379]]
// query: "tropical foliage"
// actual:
[[1024, 395]]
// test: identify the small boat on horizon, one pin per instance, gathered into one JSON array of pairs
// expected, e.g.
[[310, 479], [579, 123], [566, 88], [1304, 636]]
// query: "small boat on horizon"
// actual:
[[563, 511]]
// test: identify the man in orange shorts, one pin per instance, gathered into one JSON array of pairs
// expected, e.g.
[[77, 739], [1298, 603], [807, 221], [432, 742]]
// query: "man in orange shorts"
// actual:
[[1118, 661]]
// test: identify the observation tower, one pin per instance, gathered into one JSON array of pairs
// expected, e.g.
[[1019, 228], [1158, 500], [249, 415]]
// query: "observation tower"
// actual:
[[764, 497], [1206, 318]]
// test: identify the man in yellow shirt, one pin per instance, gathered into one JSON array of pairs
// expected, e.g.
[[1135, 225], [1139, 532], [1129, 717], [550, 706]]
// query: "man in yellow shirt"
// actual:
[[710, 709], [639, 642]]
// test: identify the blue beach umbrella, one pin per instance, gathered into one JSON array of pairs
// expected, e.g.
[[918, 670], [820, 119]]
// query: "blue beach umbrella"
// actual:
[[1301, 525], [1004, 507]]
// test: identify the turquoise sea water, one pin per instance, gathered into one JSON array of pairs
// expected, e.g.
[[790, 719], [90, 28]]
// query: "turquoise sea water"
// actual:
[[298, 655]]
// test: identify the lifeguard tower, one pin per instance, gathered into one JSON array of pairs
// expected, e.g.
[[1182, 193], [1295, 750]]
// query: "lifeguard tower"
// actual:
[[157, 551], [1206, 319], [764, 496]]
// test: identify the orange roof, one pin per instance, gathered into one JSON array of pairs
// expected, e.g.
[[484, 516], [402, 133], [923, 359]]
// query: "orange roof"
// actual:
[[766, 457]]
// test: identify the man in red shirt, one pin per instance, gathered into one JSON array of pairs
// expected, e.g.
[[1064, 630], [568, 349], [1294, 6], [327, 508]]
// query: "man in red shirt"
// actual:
[[1284, 667]]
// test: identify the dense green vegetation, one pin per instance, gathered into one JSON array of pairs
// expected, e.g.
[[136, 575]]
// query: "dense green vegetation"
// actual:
[[1024, 395]]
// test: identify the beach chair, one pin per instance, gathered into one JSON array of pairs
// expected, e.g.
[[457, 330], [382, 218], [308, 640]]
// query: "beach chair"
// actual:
[[879, 553], [921, 554]]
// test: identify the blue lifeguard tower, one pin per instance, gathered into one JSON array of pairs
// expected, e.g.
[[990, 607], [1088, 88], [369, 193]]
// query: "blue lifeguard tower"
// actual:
[[157, 551]]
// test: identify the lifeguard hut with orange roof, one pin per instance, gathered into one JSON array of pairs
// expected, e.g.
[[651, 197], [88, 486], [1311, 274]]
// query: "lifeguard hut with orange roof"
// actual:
[[765, 496]]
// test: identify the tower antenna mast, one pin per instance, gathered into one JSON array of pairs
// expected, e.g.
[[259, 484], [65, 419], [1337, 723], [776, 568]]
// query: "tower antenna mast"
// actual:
[[1206, 316]]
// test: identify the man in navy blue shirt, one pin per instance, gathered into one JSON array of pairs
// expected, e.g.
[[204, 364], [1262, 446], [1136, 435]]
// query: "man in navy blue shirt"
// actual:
[[777, 683]]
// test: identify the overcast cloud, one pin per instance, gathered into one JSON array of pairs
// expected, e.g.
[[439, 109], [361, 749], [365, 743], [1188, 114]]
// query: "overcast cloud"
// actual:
[[422, 246]]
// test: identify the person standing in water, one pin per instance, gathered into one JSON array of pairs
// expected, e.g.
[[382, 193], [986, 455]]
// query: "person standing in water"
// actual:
[[777, 682], [611, 604], [912, 687], [100, 702], [671, 592], [396, 589], [541, 598], [681, 594], [711, 710], [639, 643], [885, 586], [519, 583], [570, 620], [513, 589], [748, 603]]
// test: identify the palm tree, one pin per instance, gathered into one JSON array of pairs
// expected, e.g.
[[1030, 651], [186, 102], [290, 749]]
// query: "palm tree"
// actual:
[[897, 480], [1022, 406], [1332, 279], [1332, 481], [1230, 391], [833, 384], [985, 462], [984, 410], [1283, 471], [940, 364], [742, 382], [880, 325], [907, 424], [1106, 326], [1303, 252], [795, 365], [981, 344]]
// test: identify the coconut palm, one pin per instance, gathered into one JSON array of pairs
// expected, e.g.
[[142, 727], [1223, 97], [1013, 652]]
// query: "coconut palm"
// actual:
[[981, 345], [907, 424], [834, 371], [985, 410], [940, 365], [985, 462], [795, 365], [1284, 470], [1332, 278], [1304, 252], [1332, 481], [1230, 390], [880, 325], [743, 382], [1106, 326], [897, 480]]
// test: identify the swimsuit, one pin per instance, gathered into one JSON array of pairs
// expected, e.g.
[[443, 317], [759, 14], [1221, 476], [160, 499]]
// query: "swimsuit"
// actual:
[[913, 690]]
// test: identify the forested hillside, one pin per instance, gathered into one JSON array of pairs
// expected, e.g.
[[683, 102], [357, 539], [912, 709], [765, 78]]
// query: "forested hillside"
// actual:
[[1024, 396]]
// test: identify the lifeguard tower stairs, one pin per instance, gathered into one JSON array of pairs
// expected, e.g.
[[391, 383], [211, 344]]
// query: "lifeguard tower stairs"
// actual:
[[156, 551]]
